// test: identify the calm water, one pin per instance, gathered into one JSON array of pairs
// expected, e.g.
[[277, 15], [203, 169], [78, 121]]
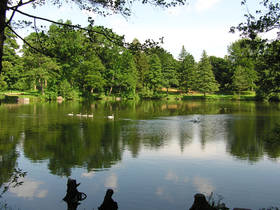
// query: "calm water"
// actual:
[[155, 155]]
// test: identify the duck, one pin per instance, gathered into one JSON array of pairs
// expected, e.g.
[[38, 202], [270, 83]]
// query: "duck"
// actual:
[[79, 115], [84, 115], [70, 114], [90, 115], [197, 120], [111, 117]]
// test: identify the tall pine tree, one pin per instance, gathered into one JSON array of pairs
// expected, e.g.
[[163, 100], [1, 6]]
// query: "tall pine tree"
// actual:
[[206, 82]]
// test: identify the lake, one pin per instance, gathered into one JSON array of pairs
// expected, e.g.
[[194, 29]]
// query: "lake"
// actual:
[[154, 154]]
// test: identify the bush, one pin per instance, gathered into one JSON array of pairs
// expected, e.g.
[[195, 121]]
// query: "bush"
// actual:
[[3, 84], [67, 92]]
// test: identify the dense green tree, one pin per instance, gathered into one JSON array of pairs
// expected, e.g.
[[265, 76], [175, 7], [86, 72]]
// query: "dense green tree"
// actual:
[[97, 6], [268, 67], [242, 53], [169, 71], [183, 54], [39, 71], [240, 81], [12, 63], [187, 74], [155, 78], [68, 46], [142, 66], [205, 82], [88, 75], [128, 77], [223, 72], [263, 20]]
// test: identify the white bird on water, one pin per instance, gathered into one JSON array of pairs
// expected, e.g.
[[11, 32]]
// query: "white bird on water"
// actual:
[[79, 115], [111, 117], [90, 115], [70, 114]]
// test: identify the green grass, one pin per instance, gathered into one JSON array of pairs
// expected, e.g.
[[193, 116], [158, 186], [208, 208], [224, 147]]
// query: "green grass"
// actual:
[[248, 96], [172, 96]]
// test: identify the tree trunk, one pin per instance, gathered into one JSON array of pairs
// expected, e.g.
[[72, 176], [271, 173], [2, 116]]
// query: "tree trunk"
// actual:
[[111, 88], [3, 8]]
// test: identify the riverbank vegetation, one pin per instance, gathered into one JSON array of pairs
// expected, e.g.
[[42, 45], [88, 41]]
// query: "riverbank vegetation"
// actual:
[[97, 68], [73, 62]]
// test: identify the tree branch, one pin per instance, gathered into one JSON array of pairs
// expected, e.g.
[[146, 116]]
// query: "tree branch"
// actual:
[[27, 43], [20, 4], [14, 11], [111, 39]]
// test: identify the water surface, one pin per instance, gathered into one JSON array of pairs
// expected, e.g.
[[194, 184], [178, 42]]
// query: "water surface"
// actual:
[[155, 155]]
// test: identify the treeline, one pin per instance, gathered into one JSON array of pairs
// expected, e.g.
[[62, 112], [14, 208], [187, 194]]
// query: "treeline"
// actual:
[[70, 63]]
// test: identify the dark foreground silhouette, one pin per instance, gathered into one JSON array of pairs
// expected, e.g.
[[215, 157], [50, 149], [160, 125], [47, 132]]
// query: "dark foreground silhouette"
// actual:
[[109, 203], [73, 198]]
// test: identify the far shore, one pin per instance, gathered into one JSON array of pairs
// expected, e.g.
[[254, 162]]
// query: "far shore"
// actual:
[[171, 95]]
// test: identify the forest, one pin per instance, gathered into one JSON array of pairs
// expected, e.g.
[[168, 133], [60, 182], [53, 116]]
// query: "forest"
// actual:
[[75, 63]]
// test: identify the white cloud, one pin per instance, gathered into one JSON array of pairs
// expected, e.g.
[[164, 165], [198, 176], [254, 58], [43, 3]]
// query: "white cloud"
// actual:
[[203, 5], [171, 176], [111, 181], [88, 174], [29, 189], [163, 194]]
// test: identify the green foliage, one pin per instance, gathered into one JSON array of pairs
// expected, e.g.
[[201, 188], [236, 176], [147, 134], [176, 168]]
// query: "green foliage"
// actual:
[[187, 72], [169, 71], [91, 65], [205, 82], [183, 54], [142, 66], [240, 80], [155, 78], [242, 55], [262, 20], [223, 72], [268, 67], [66, 91], [3, 84]]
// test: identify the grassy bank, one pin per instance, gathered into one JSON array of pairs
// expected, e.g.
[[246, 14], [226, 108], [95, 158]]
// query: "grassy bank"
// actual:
[[171, 95]]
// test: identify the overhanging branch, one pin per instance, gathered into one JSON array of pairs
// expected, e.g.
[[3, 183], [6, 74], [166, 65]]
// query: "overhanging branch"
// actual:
[[27, 43], [21, 4], [111, 39]]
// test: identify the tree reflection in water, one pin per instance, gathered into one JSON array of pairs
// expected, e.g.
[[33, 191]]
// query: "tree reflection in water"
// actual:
[[45, 132]]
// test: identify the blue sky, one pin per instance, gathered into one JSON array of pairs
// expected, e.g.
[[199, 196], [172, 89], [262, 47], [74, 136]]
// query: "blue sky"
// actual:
[[200, 25]]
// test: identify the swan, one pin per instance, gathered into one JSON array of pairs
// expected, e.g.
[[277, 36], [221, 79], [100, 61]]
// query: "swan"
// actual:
[[70, 114], [110, 116]]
